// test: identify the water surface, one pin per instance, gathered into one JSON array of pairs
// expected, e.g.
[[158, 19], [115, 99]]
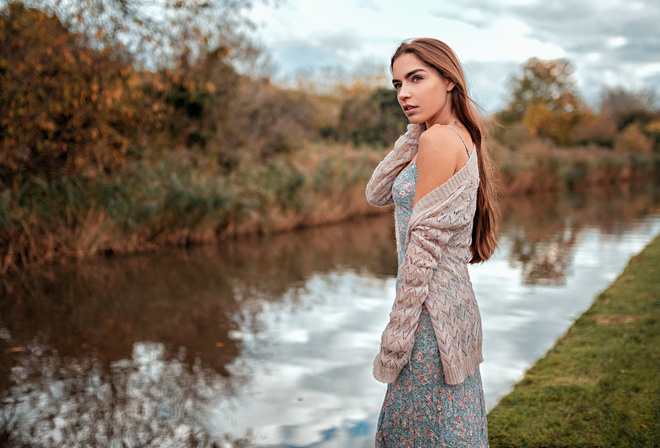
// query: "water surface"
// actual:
[[269, 342]]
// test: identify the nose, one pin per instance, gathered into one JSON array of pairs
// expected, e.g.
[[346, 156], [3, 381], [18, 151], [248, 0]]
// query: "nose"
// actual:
[[403, 93]]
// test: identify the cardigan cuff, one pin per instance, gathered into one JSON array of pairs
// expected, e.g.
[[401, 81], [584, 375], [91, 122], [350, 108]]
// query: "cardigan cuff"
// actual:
[[383, 373], [456, 374]]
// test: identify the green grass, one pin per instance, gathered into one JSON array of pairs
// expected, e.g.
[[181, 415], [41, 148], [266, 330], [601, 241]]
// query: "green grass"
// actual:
[[599, 386]]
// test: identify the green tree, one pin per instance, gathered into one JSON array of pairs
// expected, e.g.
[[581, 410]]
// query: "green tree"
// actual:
[[545, 98], [374, 117]]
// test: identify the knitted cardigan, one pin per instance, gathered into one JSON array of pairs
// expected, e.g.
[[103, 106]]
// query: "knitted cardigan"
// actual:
[[434, 270]]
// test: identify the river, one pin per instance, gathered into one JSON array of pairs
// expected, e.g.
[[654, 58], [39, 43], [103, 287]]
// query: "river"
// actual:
[[268, 342]]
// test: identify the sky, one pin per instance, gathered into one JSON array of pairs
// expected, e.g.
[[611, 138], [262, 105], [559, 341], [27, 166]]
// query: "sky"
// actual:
[[609, 42]]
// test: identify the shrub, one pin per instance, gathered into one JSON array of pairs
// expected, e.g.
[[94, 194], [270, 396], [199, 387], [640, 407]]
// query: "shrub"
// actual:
[[63, 106], [633, 139]]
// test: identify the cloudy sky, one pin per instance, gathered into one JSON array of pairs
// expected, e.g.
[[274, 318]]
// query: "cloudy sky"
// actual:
[[609, 42]]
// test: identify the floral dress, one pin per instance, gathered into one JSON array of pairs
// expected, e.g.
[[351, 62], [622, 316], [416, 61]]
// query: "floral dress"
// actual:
[[420, 409]]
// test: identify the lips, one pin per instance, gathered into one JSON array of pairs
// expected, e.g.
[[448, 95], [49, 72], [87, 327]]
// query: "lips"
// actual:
[[408, 109]]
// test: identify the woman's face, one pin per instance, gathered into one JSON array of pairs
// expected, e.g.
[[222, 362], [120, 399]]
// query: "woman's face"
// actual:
[[422, 92]]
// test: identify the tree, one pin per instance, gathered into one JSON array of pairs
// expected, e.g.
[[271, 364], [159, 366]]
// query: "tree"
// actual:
[[544, 97], [75, 90], [373, 117], [62, 104], [627, 106], [157, 33]]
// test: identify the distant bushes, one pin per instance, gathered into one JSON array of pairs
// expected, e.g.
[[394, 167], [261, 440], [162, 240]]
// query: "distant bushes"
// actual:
[[371, 117], [176, 201], [538, 166]]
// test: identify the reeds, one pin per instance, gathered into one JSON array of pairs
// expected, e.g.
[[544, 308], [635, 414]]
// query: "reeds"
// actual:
[[540, 166], [176, 201]]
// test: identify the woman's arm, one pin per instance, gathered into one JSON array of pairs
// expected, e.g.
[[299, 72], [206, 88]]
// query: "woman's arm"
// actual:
[[436, 164], [379, 188]]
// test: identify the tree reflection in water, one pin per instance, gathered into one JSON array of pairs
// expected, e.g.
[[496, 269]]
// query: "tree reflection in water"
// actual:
[[146, 400], [129, 351], [137, 351], [544, 228]]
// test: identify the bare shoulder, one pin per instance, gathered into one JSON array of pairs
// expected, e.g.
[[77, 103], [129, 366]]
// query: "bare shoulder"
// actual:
[[440, 144], [439, 157]]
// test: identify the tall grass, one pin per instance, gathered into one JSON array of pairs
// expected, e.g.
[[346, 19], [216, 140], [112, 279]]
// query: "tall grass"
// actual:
[[182, 198], [176, 200], [538, 165]]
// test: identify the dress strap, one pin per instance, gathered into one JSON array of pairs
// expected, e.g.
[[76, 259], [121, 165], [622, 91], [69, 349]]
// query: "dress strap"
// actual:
[[459, 136]]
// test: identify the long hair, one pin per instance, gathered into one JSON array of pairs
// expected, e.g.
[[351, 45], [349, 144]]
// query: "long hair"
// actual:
[[486, 219]]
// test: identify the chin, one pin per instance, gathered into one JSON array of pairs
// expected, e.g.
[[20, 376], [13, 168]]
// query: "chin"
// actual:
[[414, 120]]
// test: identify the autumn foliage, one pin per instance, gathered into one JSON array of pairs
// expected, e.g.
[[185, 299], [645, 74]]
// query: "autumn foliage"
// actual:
[[545, 98], [64, 106], [105, 151], [546, 104]]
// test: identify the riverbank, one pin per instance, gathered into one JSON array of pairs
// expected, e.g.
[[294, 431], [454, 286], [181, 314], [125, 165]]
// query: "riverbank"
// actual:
[[177, 198], [599, 386]]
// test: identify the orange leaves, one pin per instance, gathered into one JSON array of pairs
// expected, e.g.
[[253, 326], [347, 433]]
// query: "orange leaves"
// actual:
[[47, 125], [544, 97], [85, 57], [65, 98]]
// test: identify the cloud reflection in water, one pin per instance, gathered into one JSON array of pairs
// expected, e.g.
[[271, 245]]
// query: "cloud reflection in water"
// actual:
[[270, 342]]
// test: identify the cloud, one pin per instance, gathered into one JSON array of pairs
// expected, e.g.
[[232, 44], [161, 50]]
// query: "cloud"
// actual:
[[488, 82], [608, 42], [611, 42], [345, 40], [478, 13], [587, 26], [296, 56], [368, 4]]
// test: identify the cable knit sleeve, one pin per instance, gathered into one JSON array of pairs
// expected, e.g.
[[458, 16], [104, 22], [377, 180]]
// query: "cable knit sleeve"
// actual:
[[433, 222], [422, 255], [379, 188]]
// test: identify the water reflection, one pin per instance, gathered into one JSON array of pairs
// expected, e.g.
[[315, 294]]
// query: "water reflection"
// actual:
[[269, 342], [145, 400]]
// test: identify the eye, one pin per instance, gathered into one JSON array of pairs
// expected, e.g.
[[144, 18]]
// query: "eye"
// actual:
[[397, 85], [417, 78]]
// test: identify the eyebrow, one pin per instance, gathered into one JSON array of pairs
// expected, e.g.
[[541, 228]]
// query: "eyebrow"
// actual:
[[409, 74]]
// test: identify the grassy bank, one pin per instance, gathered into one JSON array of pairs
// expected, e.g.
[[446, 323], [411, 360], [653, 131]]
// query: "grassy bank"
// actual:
[[599, 386]]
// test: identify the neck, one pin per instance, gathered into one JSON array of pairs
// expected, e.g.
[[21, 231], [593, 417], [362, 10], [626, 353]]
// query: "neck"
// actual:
[[449, 119]]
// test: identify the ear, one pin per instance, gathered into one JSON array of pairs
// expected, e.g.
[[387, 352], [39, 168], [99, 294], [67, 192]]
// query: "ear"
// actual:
[[450, 85]]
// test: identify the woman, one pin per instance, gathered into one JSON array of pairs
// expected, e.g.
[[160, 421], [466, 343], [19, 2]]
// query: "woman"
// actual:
[[438, 176]]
